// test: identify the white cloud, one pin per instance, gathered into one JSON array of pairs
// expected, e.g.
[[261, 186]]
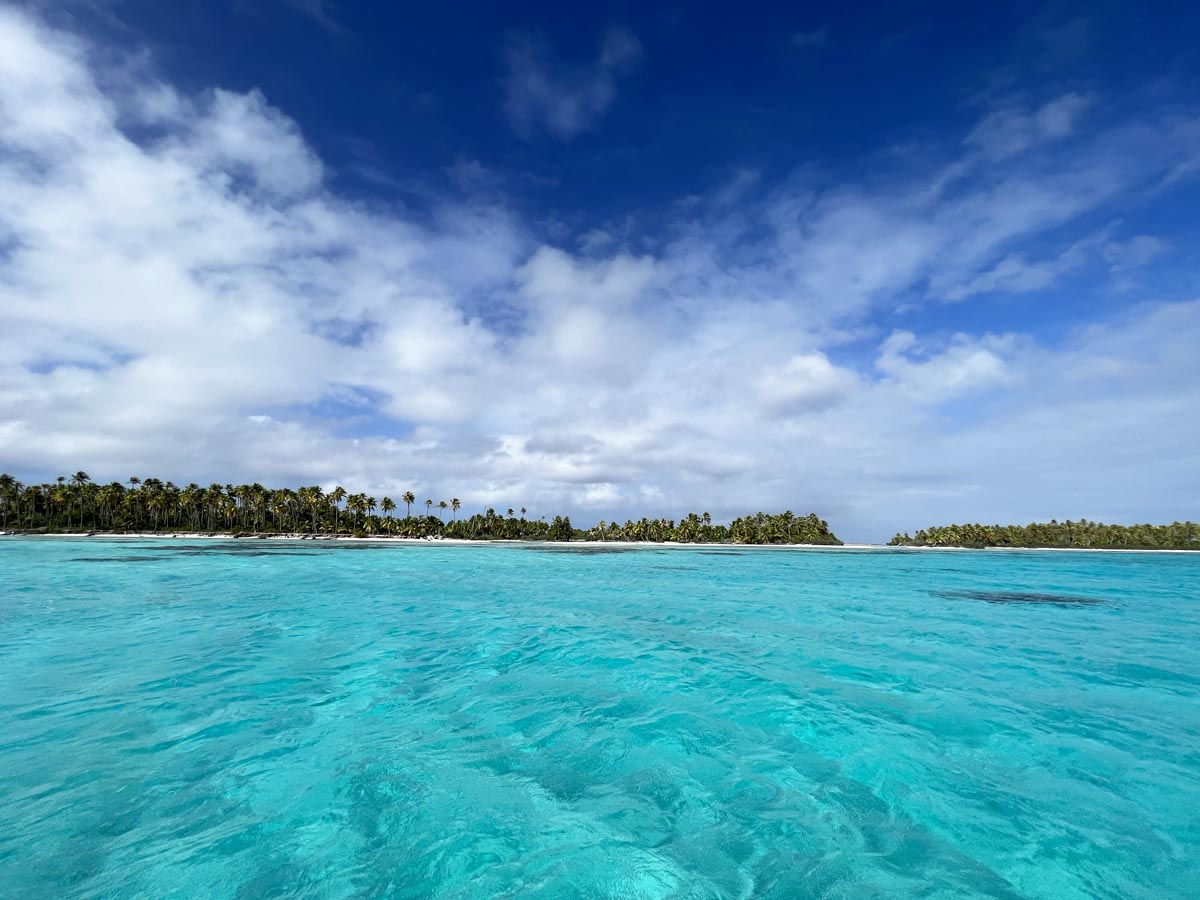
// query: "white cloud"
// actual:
[[806, 382], [963, 365], [1009, 131], [541, 93], [1014, 274], [200, 304], [240, 135], [1135, 252]]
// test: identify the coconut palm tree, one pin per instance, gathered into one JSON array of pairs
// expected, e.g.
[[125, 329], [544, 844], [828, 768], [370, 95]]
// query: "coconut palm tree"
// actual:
[[409, 499], [79, 481], [357, 504], [336, 496], [157, 503], [10, 491], [429, 507], [455, 506], [443, 506], [387, 506], [189, 501], [312, 498]]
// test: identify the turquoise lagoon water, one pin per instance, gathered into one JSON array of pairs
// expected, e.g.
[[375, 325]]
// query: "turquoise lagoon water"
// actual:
[[249, 719]]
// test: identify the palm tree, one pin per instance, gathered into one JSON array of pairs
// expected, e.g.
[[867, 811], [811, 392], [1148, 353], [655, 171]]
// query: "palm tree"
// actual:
[[336, 496], [510, 512], [108, 497], [61, 495], [312, 497], [429, 507], [189, 500], [409, 499], [10, 490], [387, 506], [522, 512], [455, 506], [443, 506], [79, 480], [215, 498], [157, 501], [356, 503]]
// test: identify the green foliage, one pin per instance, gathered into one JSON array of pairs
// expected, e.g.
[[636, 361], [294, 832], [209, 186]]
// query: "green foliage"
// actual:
[[560, 529], [785, 528], [77, 504], [1081, 535]]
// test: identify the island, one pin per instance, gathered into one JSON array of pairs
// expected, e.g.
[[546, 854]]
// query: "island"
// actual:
[[77, 505], [1080, 535]]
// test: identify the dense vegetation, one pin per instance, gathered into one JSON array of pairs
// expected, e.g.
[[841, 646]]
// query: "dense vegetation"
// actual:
[[76, 504], [760, 528], [1081, 534]]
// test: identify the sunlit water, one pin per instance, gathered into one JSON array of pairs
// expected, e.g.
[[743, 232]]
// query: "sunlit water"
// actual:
[[250, 719]]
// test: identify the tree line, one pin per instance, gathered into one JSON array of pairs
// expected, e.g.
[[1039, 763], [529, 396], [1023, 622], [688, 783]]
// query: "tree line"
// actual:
[[76, 504], [1082, 535], [760, 528]]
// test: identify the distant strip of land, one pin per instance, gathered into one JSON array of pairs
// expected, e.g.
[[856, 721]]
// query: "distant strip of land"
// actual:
[[150, 507], [1055, 535], [77, 505]]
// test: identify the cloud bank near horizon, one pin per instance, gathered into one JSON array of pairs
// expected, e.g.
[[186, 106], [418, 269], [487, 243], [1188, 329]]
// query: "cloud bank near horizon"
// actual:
[[184, 293]]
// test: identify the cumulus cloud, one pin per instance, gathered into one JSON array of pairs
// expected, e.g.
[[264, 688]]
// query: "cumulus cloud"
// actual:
[[964, 365], [564, 100], [807, 381], [183, 294]]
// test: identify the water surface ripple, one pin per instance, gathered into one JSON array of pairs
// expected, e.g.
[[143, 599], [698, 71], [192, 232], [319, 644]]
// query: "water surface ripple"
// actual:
[[236, 720]]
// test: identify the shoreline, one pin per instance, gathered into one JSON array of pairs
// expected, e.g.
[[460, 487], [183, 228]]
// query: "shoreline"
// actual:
[[386, 539]]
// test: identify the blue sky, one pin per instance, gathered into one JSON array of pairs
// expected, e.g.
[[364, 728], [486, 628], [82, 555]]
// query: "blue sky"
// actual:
[[899, 263]]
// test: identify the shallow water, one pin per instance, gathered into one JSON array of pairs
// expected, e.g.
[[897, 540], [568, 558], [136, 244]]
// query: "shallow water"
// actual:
[[245, 720]]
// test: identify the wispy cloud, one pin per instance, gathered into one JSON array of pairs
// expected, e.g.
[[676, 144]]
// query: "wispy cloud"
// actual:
[[1135, 252], [1011, 130], [818, 37], [323, 12], [542, 93]]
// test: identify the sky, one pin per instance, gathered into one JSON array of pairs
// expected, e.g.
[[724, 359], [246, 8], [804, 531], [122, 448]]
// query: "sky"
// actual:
[[899, 264]]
